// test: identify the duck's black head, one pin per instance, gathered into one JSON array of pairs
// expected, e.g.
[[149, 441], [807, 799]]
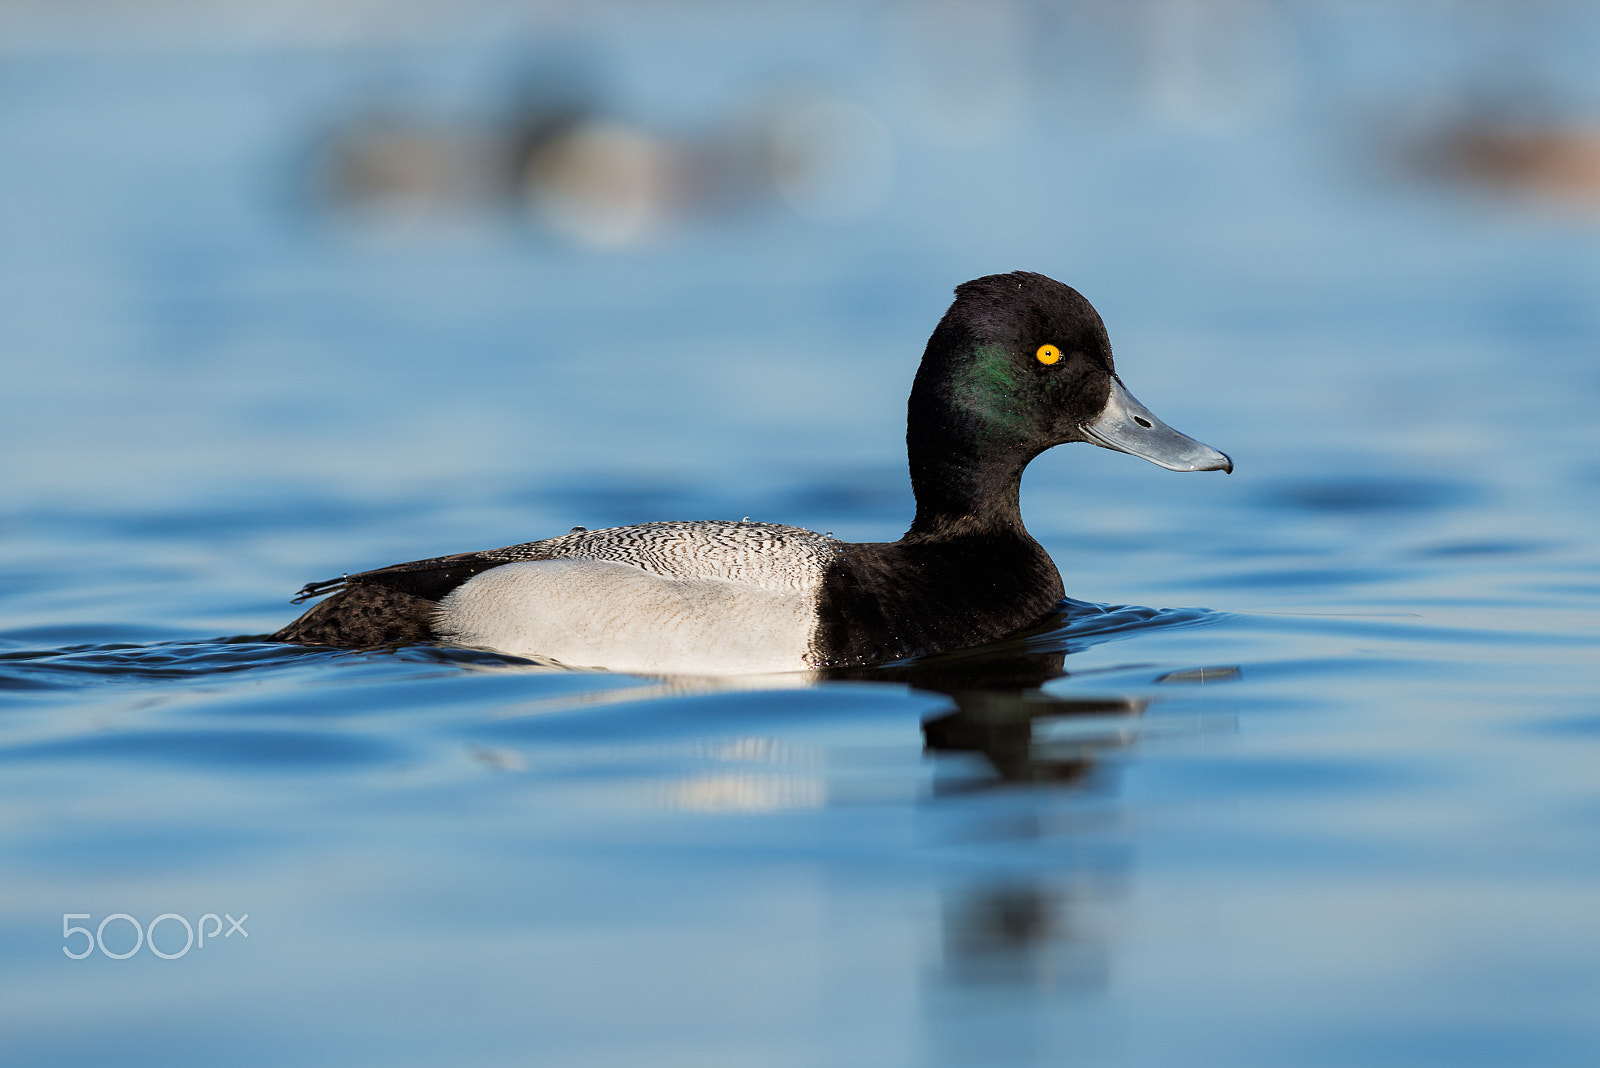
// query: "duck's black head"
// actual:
[[1020, 363]]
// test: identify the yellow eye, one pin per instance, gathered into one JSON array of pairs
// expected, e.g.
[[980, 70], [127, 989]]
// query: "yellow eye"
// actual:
[[1048, 354]]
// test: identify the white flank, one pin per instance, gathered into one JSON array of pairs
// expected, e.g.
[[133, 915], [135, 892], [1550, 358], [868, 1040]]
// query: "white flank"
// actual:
[[615, 616]]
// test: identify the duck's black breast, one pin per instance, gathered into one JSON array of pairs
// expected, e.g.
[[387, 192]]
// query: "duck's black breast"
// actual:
[[889, 600]]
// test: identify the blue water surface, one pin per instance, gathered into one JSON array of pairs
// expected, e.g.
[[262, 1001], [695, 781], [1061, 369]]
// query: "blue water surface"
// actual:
[[1305, 772]]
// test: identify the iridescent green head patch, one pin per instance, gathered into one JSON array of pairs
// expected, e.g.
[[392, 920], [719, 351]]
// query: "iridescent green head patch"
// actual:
[[992, 385]]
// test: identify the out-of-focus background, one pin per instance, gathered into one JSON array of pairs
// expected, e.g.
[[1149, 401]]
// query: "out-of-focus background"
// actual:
[[376, 249], [289, 289]]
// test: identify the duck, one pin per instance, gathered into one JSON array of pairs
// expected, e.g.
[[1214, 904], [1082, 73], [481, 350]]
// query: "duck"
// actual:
[[1018, 364]]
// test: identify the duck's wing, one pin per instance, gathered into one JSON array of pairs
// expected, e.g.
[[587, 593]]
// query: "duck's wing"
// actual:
[[758, 553], [429, 579]]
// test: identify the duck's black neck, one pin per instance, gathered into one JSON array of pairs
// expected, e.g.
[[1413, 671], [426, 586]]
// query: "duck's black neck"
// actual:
[[958, 493], [966, 476]]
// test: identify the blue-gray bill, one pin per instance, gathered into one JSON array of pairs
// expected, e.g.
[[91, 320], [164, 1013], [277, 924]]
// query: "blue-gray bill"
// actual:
[[1128, 426]]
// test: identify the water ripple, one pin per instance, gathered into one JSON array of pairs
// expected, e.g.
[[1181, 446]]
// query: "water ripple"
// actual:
[[77, 666], [261, 750]]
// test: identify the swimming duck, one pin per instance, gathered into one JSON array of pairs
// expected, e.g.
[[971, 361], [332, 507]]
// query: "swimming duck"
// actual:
[[1019, 363]]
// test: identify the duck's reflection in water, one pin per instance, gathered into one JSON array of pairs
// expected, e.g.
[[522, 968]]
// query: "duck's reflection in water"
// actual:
[[1018, 966], [1027, 919], [1024, 934], [1002, 714], [1024, 916]]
